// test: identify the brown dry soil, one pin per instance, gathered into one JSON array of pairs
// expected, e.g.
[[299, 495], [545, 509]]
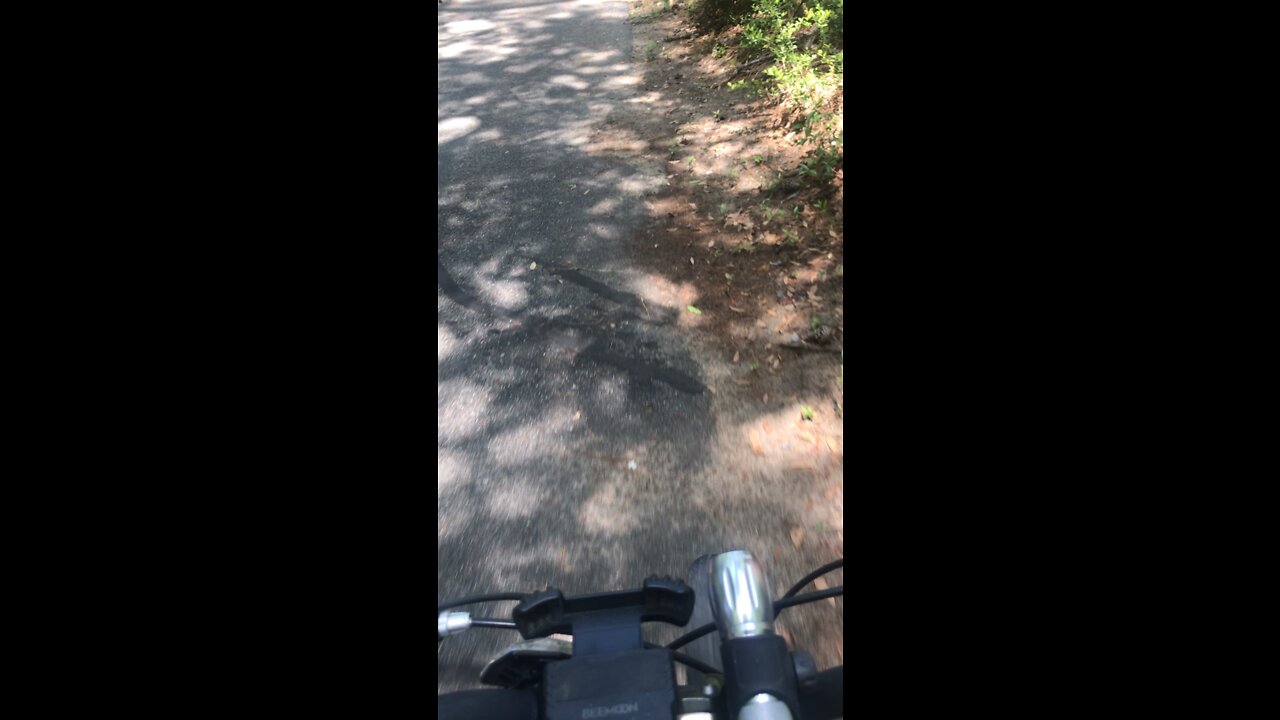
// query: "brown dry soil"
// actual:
[[758, 249]]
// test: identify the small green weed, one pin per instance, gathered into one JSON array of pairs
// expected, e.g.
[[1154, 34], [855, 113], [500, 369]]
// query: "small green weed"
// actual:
[[753, 86]]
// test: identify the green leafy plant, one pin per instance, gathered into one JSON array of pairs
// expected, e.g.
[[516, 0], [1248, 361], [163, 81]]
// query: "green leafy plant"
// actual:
[[753, 86], [804, 42], [806, 412]]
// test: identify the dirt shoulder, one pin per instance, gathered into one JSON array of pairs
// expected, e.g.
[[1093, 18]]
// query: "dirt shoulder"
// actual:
[[738, 232], [750, 250]]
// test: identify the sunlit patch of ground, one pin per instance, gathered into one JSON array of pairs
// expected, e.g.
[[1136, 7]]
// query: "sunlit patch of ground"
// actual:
[[447, 343], [451, 129], [609, 511], [659, 292], [461, 409], [451, 469], [513, 498], [518, 445]]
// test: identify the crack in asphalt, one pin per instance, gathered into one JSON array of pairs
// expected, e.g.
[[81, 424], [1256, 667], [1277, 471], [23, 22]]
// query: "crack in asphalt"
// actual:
[[639, 369]]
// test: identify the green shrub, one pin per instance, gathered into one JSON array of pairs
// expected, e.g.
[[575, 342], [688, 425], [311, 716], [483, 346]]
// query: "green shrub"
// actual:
[[805, 39]]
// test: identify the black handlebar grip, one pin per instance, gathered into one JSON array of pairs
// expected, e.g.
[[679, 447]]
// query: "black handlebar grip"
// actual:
[[495, 704], [825, 699]]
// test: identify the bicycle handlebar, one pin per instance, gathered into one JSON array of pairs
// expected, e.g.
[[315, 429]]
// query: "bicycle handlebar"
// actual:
[[762, 678]]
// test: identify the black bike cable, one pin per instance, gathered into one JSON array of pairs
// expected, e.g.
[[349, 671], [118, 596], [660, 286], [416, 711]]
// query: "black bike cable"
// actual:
[[778, 606], [834, 565], [479, 599], [680, 657], [806, 598], [691, 636]]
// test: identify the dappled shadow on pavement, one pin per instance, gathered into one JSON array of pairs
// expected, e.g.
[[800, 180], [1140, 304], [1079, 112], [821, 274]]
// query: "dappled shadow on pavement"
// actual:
[[569, 417]]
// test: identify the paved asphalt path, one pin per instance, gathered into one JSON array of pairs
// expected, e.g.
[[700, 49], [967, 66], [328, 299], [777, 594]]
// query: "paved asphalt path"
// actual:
[[570, 419]]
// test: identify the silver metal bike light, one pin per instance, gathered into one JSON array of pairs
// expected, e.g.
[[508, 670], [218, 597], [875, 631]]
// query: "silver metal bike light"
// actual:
[[743, 607], [740, 596]]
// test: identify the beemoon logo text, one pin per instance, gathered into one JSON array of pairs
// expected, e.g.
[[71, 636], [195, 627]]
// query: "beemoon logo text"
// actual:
[[599, 712]]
